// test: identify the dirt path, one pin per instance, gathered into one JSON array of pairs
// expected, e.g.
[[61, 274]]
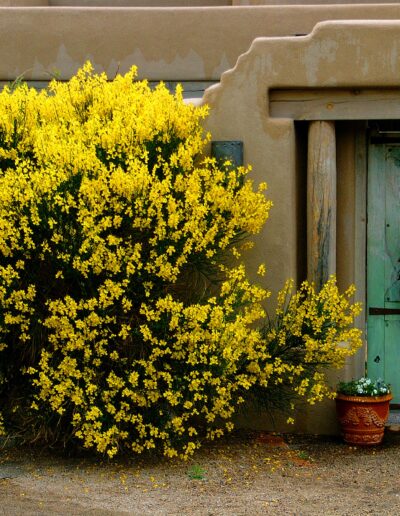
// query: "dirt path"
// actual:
[[247, 475]]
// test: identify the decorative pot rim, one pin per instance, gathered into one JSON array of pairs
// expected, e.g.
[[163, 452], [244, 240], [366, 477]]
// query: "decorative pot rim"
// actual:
[[364, 399]]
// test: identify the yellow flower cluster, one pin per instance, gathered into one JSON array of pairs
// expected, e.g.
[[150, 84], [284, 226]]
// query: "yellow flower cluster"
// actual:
[[108, 213], [312, 332], [150, 387]]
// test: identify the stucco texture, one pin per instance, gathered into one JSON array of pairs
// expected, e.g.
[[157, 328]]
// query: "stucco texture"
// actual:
[[185, 44]]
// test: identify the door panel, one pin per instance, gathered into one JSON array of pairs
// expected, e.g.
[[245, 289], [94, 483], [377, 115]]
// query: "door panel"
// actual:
[[383, 264], [392, 342], [392, 227]]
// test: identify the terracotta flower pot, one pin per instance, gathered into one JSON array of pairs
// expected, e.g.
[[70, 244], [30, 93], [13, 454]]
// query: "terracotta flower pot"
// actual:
[[362, 418]]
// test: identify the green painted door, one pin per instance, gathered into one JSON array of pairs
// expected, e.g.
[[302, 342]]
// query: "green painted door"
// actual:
[[383, 265]]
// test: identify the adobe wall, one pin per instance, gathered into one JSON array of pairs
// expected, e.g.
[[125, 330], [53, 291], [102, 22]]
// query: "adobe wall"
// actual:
[[140, 3], [196, 44], [308, 2], [178, 3]]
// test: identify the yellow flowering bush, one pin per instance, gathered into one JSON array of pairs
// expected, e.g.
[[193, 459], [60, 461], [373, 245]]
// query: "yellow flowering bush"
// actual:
[[110, 220], [122, 324], [311, 333]]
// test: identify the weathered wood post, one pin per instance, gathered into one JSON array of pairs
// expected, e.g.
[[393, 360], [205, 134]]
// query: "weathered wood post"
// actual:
[[321, 202]]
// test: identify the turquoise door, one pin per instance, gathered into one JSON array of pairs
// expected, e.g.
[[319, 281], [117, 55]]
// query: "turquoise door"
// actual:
[[383, 265]]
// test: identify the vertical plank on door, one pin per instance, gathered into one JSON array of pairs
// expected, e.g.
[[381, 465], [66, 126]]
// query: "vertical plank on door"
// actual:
[[392, 228], [392, 373], [376, 259]]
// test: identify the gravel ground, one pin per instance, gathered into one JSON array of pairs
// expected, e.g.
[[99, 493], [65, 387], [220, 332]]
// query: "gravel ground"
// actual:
[[246, 475]]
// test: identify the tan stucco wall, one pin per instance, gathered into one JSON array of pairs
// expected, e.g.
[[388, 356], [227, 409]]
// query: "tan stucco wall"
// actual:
[[176, 3], [308, 2], [24, 3], [139, 3], [166, 44]]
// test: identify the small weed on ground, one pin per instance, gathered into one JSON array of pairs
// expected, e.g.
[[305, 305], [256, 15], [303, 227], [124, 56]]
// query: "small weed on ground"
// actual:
[[196, 472]]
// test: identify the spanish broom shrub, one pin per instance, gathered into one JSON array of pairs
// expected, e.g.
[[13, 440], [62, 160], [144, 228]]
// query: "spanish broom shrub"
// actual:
[[123, 323], [311, 333]]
